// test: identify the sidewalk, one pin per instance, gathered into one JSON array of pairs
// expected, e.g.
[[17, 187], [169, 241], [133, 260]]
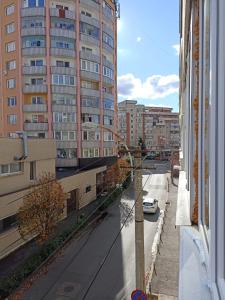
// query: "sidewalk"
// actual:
[[165, 278]]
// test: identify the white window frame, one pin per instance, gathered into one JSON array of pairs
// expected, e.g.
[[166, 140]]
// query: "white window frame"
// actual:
[[10, 28], [11, 101], [9, 10], [11, 65], [11, 83], [12, 119], [10, 47]]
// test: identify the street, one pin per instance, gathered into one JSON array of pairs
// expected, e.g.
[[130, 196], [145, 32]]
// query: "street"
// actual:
[[73, 275]]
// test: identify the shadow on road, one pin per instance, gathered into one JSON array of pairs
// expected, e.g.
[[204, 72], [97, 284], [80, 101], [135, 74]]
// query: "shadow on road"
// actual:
[[124, 212], [152, 217]]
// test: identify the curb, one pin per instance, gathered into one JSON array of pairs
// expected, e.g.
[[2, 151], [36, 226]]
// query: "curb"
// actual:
[[156, 242]]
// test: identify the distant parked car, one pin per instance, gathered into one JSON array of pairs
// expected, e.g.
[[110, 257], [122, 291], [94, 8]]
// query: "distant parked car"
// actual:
[[150, 205]]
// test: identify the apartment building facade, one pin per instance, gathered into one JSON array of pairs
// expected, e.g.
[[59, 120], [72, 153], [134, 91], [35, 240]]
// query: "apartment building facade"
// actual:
[[202, 115], [158, 127], [58, 71]]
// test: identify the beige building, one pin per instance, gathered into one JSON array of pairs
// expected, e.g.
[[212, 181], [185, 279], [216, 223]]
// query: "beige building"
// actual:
[[21, 163], [158, 127]]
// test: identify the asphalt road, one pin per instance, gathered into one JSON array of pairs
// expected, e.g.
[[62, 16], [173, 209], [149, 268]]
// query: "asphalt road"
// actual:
[[73, 275]]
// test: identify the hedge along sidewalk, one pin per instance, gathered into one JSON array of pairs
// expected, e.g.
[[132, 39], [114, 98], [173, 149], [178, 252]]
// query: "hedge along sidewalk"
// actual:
[[34, 265]]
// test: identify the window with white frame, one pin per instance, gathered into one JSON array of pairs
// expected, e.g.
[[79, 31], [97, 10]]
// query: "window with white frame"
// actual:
[[108, 120], [108, 151], [8, 169], [107, 39], [10, 47], [9, 10], [65, 135], [90, 152], [108, 136], [63, 99], [11, 65], [34, 3], [85, 135], [10, 28], [64, 153], [11, 83], [11, 101], [60, 117], [37, 100], [89, 66], [97, 136], [63, 80], [108, 72], [12, 119]]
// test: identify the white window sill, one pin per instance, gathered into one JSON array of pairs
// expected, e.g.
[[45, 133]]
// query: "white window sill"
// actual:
[[183, 202], [193, 276]]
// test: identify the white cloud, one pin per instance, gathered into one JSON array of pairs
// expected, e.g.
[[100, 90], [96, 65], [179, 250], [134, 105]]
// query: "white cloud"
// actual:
[[154, 87], [177, 48], [139, 39]]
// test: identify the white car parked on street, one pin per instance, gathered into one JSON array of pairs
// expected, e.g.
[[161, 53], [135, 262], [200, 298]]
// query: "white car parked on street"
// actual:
[[150, 205]]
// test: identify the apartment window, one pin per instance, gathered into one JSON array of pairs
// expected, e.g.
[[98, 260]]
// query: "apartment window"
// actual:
[[11, 101], [85, 13], [60, 63], [37, 100], [60, 117], [88, 188], [90, 102], [108, 151], [90, 152], [9, 10], [63, 25], [32, 23], [10, 47], [62, 44], [37, 81], [37, 62], [34, 3], [85, 136], [108, 104], [63, 80], [63, 99], [11, 83], [66, 153], [32, 170], [65, 135], [107, 39], [108, 120], [89, 85], [11, 168], [86, 49], [107, 8], [90, 118], [97, 136], [11, 65], [33, 42], [108, 136], [10, 28], [90, 66], [108, 72], [89, 30], [8, 223]]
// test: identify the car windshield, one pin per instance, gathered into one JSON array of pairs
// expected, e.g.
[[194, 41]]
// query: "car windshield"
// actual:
[[147, 203]]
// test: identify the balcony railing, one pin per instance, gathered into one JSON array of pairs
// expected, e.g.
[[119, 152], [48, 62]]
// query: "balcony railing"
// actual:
[[35, 126], [35, 108], [108, 48], [62, 33], [90, 110], [90, 75], [64, 126], [34, 70], [34, 51], [61, 89], [63, 108], [108, 63], [89, 39], [91, 4], [66, 144], [108, 96], [90, 20], [38, 88], [63, 70], [33, 31], [90, 92], [89, 56], [69, 14], [108, 81], [33, 12], [62, 52]]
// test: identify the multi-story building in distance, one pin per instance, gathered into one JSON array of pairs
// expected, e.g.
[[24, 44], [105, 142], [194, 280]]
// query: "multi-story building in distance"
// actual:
[[158, 127], [57, 71]]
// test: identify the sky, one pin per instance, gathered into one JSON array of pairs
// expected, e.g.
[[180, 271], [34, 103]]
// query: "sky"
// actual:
[[148, 52]]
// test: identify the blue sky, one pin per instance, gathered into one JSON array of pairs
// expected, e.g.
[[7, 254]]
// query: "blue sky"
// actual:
[[148, 61]]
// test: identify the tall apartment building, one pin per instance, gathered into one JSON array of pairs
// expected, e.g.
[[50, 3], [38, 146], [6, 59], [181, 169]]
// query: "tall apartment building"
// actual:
[[57, 71], [158, 127]]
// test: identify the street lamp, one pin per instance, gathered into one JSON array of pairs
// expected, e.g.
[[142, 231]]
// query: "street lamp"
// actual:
[[120, 140]]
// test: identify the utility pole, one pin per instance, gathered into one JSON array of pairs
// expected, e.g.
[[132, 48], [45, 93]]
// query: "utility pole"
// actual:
[[139, 223]]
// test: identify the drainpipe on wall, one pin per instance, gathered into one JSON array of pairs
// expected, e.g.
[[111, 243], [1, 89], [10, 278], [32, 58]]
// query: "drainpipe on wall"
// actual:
[[23, 136]]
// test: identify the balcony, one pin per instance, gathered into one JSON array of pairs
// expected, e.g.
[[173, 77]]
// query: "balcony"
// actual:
[[108, 30], [62, 162], [90, 92], [64, 126], [63, 70], [39, 88], [108, 81], [90, 4], [109, 144], [63, 108], [108, 63], [90, 20], [109, 112], [108, 48], [66, 144], [90, 56], [36, 126], [35, 108], [108, 96], [89, 39], [33, 12], [90, 144], [106, 16], [63, 52], [69, 14], [34, 51], [34, 70], [62, 33], [63, 89], [90, 110], [33, 31], [89, 75]]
